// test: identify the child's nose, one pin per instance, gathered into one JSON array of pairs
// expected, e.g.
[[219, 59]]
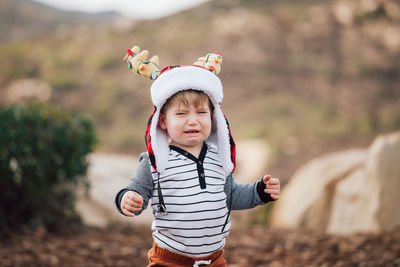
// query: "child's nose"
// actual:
[[192, 119]]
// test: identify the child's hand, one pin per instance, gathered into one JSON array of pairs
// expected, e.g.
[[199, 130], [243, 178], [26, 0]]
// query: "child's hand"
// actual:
[[131, 202], [273, 186]]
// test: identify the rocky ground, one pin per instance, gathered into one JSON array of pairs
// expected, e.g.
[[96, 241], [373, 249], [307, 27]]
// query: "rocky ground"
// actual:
[[251, 246]]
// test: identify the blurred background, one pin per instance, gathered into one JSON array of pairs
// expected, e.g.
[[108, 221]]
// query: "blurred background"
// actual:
[[312, 94]]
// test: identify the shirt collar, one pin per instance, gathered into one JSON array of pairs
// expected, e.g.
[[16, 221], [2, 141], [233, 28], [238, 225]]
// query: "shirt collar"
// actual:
[[188, 155]]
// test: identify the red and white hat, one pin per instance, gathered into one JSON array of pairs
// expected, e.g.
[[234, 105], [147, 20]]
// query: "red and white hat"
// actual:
[[202, 76]]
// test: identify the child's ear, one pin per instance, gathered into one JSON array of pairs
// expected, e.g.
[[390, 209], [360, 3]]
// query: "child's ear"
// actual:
[[161, 121]]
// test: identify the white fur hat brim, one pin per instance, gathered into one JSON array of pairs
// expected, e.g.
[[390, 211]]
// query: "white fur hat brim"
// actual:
[[184, 78]]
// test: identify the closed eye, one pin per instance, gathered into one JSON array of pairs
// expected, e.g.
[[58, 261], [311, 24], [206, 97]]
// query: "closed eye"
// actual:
[[202, 111]]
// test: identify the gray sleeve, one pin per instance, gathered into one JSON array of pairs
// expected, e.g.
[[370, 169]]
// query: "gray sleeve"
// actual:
[[142, 183], [245, 196]]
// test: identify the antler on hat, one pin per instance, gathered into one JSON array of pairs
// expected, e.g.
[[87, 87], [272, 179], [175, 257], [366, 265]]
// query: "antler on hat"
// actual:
[[212, 62], [137, 62]]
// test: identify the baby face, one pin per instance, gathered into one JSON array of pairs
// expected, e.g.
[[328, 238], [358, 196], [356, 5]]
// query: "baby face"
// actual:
[[188, 126]]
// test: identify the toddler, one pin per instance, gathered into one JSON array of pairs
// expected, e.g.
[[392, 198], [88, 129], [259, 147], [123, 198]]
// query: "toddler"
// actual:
[[187, 170]]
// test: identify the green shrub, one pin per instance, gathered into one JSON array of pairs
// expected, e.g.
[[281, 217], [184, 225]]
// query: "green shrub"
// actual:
[[42, 161]]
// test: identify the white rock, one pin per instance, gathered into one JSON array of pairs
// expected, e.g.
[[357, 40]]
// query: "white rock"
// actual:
[[383, 168], [306, 198], [344, 193], [107, 175], [368, 200], [354, 205]]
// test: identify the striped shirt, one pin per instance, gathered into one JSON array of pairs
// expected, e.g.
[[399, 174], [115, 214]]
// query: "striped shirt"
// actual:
[[193, 192]]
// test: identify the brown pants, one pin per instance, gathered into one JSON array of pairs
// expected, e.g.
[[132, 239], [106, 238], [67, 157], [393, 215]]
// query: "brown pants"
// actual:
[[159, 257]]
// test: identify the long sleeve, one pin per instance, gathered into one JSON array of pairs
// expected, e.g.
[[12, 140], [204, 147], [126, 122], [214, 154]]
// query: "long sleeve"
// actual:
[[245, 196], [142, 183]]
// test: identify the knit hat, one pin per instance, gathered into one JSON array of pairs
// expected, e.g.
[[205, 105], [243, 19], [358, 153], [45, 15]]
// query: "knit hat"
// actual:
[[201, 76]]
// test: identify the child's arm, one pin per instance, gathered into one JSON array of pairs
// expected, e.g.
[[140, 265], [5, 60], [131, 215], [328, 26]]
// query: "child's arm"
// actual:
[[246, 196], [135, 197]]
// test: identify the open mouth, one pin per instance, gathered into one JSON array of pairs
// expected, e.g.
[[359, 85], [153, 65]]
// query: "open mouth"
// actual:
[[192, 132]]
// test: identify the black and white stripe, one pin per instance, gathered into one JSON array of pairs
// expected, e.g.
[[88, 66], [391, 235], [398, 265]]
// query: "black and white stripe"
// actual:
[[195, 215]]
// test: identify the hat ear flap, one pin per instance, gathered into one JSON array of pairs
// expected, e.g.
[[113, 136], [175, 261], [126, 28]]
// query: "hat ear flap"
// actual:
[[147, 139], [232, 145], [157, 143]]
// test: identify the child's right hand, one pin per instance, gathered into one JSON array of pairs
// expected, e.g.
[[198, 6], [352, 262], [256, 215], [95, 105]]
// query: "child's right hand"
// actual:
[[131, 202]]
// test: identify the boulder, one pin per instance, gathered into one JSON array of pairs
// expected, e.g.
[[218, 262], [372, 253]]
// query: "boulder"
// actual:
[[107, 174], [354, 205], [348, 192], [306, 199], [368, 200]]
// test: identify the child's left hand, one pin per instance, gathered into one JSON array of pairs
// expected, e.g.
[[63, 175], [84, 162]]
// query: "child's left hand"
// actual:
[[273, 186]]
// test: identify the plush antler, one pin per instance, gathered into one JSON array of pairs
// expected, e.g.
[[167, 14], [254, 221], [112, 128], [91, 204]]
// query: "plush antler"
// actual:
[[212, 62], [137, 62]]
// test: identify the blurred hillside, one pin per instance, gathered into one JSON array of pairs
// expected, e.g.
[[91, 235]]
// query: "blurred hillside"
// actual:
[[309, 77], [22, 19]]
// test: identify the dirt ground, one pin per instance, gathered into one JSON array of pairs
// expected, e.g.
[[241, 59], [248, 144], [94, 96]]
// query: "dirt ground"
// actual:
[[250, 246]]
